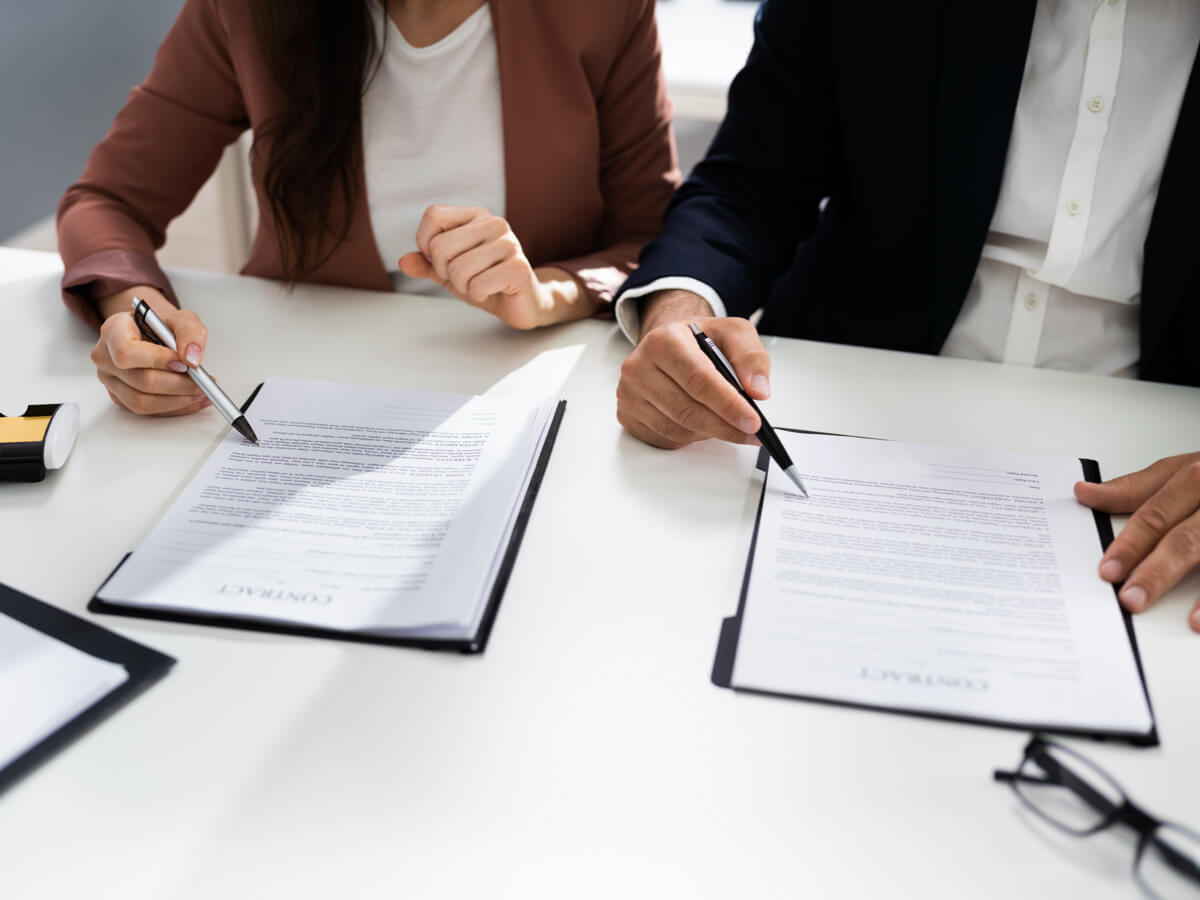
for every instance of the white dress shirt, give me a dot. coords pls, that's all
(1060, 278)
(432, 133)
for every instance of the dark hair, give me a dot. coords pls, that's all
(322, 54)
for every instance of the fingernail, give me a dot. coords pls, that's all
(193, 354)
(761, 385)
(748, 425)
(1111, 570)
(176, 366)
(1195, 617)
(1134, 598)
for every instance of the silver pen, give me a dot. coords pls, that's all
(157, 331)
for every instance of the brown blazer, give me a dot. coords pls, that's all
(589, 157)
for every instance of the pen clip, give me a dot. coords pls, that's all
(139, 316)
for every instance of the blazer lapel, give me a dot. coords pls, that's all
(983, 62)
(1171, 263)
(518, 114)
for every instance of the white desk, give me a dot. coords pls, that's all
(586, 753)
(705, 43)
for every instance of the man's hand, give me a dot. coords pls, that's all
(476, 257)
(142, 376)
(1161, 542)
(670, 394)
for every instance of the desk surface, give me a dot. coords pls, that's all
(586, 753)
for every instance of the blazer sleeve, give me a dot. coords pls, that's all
(639, 169)
(736, 222)
(164, 144)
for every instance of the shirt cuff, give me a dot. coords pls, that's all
(629, 315)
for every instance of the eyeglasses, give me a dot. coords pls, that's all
(1074, 794)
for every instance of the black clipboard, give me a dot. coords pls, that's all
(475, 644)
(145, 666)
(727, 641)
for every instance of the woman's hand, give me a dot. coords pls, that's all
(144, 377)
(475, 256)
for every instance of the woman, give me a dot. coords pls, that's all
(517, 153)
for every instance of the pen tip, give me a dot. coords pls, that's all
(791, 473)
(244, 429)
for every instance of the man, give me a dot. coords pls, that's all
(1013, 183)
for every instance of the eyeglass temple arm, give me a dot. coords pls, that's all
(1182, 863)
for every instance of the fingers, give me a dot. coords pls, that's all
(1161, 542)
(450, 251)
(1127, 493)
(439, 219)
(458, 244)
(142, 376)
(506, 276)
(1153, 519)
(500, 260)
(650, 426)
(670, 394)
(121, 344)
(1174, 556)
(476, 256)
(146, 404)
(740, 343)
(676, 353)
(670, 412)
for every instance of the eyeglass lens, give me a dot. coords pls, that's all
(1067, 789)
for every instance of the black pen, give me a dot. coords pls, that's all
(156, 330)
(766, 434)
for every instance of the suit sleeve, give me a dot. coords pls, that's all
(736, 222)
(638, 164)
(164, 144)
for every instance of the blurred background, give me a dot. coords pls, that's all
(67, 67)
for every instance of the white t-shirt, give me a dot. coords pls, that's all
(432, 133)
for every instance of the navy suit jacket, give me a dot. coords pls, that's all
(900, 114)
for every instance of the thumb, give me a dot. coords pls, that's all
(414, 265)
(744, 349)
(1127, 492)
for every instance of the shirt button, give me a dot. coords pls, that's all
(1073, 207)
(1096, 104)
(1031, 302)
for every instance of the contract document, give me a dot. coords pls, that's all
(939, 581)
(362, 510)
